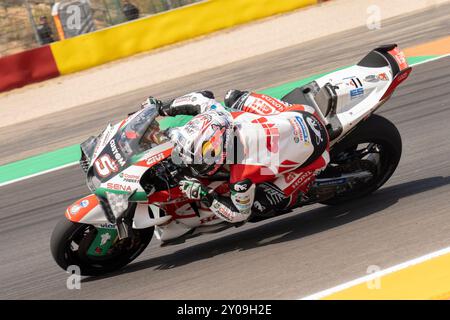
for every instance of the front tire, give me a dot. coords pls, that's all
(378, 131)
(70, 242)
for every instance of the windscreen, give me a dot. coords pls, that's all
(141, 132)
(136, 135)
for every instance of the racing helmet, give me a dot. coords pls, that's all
(202, 143)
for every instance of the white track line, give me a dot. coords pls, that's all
(38, 174)
(430, 60)
(327, 292)
(74, 163)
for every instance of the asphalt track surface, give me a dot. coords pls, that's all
(288, 257)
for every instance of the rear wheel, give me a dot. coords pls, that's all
(71, 244)
(374, 146)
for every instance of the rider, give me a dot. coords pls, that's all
(291, 147)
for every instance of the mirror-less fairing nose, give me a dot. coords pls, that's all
(115, 162)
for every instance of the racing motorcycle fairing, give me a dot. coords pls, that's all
(88, 210)
(126, 154)
(88, 205)
(361, 89)
(116, 160)
(346, 97)
(129, 179)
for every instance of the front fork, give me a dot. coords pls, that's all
(104, 239)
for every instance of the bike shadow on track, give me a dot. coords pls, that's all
(291, 227)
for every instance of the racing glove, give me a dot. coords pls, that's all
(236, 210)
(151, 101)
(190, 104)
(193, 189)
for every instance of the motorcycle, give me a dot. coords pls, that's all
(134, 183)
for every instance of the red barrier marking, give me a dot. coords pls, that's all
(27, 67)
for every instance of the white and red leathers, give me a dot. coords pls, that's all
(277, 153)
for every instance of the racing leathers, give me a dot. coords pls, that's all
(275, 153)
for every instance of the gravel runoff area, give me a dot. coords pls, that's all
(200, 54)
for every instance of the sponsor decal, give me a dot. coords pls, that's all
(303, 128)
(274, 195)
(104, 138)
(198, 124)
(354, 82)
(241, 186)
(156, 158)
(399, 57)
(105, 166)
(263, 104)
(277, 104)
(84, 203)
(182, 100)
(153, 156)
(104, 238)
(297, 131)
(302, 180)
(80, 208)
(314, 125)
(226, 212)
(222, 210)
(116, 153)
(75, 208)
(372, 78)
(186, 99)
(242, 200)
(331, 182)
(402, 77)
(396, 81)
(131, 178)
(118, 186)
(258, 206)
(289, 177)
(108, 226)
(260, 106)
(383, 77)
(356, 93)
(208, 219)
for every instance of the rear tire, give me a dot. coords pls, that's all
(380, 131)
(66, 235)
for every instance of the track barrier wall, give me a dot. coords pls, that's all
(26, 67)
(96, 48)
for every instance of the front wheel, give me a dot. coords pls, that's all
(376, 146)
(82, 244)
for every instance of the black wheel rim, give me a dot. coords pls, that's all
(373, 156)
(79, 241)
